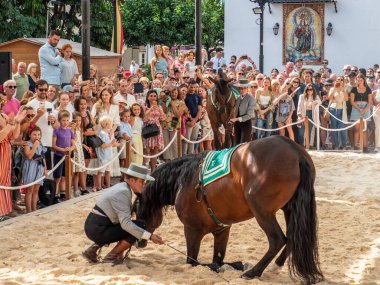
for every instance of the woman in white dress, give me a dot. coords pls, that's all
(106, 106)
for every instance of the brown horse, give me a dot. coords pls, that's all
(266, 175)
(221, 108)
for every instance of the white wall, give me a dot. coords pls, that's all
(355, 39)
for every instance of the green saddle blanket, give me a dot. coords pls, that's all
(217, 164)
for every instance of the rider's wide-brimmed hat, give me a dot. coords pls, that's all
(243, 83)
(138, 170)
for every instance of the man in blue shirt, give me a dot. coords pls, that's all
(194, 103)
(50, 59)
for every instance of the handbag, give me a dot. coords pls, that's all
(93, 141)
(150, 130)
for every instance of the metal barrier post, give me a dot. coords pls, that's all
(318, 129)
(307, 130)
(361, 134)
(179, 142)
(68, 175)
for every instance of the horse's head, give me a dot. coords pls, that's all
(147, 210)
(222, 82)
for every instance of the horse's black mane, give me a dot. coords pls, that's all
(170, 177)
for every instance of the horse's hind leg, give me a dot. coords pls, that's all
(220, 246)
(276, 239)
(280, 261)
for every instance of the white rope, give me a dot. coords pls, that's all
(158, 154)
(194, 142)
(348, 123)
(101, 167)
(274, 130)
(35, 182)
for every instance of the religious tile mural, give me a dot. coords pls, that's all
(303, 33)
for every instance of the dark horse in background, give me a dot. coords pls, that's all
(266, 175)
(221, 108)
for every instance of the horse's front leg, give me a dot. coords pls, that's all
(193, 243)
(220, 246)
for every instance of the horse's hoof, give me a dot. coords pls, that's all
(249, 276)
(214, 267)
(225, 267)
(238, 265)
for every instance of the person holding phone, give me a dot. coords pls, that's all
(125, 88)
(47, 122)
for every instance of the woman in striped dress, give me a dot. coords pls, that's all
(9, 128)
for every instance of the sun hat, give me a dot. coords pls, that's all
(242, 83)
(138, 171)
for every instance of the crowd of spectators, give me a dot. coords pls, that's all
(43, 118)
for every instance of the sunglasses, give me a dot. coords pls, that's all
(241, 73)
(30, 116)
(296, 82)
(309, 89)
(186, 77)
(12, 87)
(43, 89)
(254, 86)
(260, 78)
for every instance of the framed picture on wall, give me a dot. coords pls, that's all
(303, 35)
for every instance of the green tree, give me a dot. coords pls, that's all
(171, 22)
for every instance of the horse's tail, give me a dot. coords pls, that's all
(302, 243)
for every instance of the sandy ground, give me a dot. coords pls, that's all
(45, 248)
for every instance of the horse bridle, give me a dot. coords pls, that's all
(218, 107)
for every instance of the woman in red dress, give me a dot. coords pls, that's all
(9, 128)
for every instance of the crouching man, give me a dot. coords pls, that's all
(110, 220)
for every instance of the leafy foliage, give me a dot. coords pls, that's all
(169, 22)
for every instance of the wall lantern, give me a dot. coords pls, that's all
(276, 27)
(329, 29)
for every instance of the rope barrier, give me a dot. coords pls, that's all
(101, 167)
(35, 182)
(158, 154)
(348, 123)
(194, 142)
(274, 130)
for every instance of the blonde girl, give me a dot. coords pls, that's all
(137, 116)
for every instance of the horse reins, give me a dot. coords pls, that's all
(177, 250)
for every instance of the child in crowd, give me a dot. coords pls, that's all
(104, 152)
(79, 172)
(63, 142)
(34, 168)
(125, 134)
(137, 124)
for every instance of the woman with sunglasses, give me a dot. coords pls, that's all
(361, 101)
(294, 90)
(307, 104)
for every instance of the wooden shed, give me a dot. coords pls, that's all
(26, 50)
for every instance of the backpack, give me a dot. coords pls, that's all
(46, 193)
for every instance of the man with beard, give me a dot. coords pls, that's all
(50, 59)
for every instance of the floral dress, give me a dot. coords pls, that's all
(78, 154)
(205, 122)
(154, 117)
